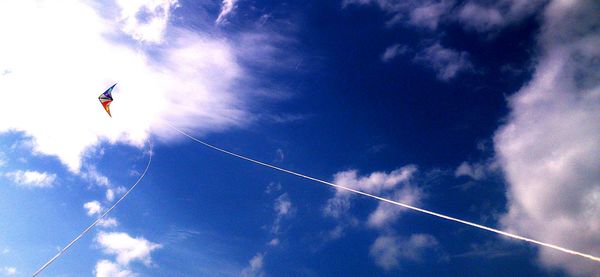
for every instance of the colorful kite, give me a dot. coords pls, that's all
(106, 98)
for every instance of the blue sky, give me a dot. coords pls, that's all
(483, 111)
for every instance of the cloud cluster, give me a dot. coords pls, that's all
(375, 183)
(72, 52)
(31, 179)
(549, 147)
(388, 250)
(283, 209)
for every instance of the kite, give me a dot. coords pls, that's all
(106, 98)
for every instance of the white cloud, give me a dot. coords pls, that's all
(92, 208)
(91, 173)
(274, 242)
(273, 187)
(8, 270)
(108, 222)
(226, 8)
(479, 17)
(387, 213)
(255, 266)
(390, 250)
(74, 53)
(283, 205)
(105, 268)
(112, 192)
(393, 51)
(126, 248)
(430, 14)
(549, 147)
(485, 16)
(31, 179)
(476, 171)
(427, 14)
(445, 61)
(3, 159)
(374, 183)
(146, 20)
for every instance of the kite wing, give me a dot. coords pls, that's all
(106, 98)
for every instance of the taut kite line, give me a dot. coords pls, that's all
(450, 218)
(96, 221)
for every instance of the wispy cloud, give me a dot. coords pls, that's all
(394, 51)
(31, 179)
(255, 267)
(227, 8)
(429, 14)
(146, 21)
(476, 171)
(446, 62)
(283, 208)
(8, 270)
(390, 250)
(485, 16)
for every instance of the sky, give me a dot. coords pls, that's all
(481, 110)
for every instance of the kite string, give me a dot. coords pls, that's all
(450, 218)
(95, 222)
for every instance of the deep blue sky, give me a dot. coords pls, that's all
(320, 100)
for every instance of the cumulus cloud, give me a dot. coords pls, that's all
(127, 248)
(374, 183)
(226, 8)
(92, 208)
(446, 62)
(31, 179)
(395, 185)
(74, 52)
(390, 250)
(549, 147)
(106, 268)
(386, 213)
